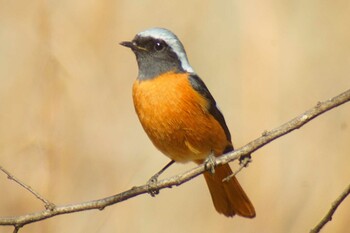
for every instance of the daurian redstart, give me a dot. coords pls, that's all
(181, 117)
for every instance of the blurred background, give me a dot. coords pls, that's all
(68, 127)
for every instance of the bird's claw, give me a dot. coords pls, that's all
(210, 163)
(245, 160)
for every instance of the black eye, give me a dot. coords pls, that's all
(158, 46)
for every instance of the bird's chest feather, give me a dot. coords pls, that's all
(172, 114)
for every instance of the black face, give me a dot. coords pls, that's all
(154, 57)
(150, 44)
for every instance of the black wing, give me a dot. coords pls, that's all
(200, 87)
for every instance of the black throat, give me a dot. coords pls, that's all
(152, 65)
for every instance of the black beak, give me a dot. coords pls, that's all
(133, 46)
(128, 44)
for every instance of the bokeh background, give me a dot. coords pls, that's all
(68, 127)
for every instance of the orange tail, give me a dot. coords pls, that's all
(228, 197)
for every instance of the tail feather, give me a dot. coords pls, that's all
(228, 197)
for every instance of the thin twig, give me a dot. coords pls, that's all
(48, 204)
(331, 211)
(242, 164)
(267, 137)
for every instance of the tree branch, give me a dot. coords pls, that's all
(100, 204)
(48, 204)
(329, 215)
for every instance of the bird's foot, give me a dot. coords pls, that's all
(210, 163)
(152, 185)
(245, 160)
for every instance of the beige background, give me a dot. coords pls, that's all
(68, 127)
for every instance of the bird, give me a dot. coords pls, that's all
(180, 115)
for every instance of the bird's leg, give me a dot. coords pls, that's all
(152, 187)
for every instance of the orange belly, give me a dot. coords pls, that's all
(176, 118)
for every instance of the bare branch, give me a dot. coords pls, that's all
(296, 123)
(267, 137)
(48, 204)
(329, 215)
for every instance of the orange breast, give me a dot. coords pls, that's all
(176, 118)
